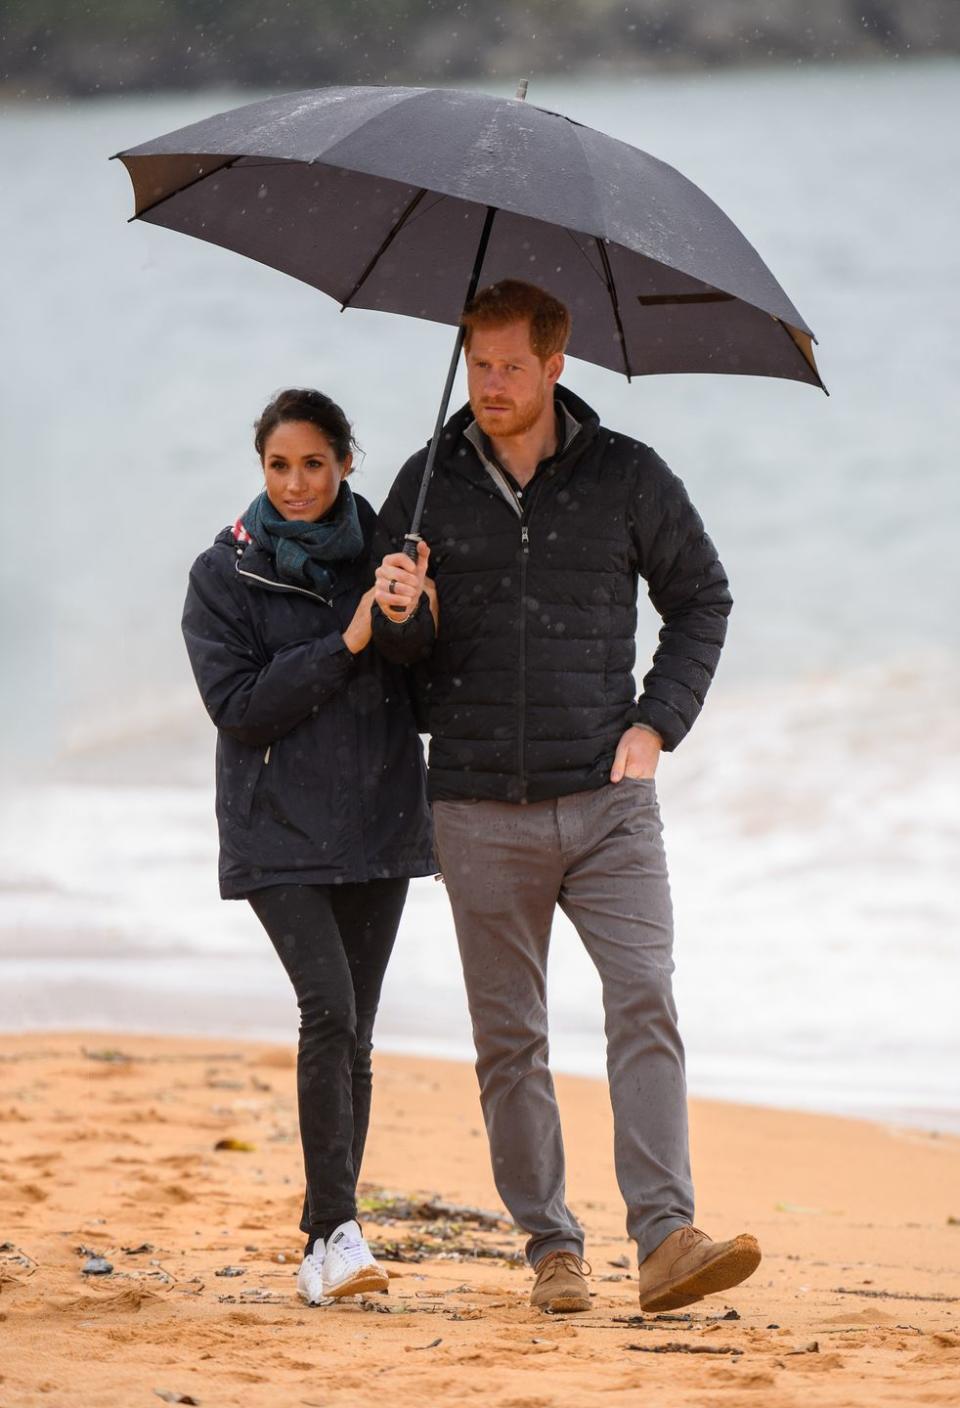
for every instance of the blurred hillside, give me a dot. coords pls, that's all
(61, 47)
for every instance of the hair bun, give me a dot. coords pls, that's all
(306, 404)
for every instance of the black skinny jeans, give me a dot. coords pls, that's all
(335, 942)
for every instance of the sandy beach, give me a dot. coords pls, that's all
(109, 1149)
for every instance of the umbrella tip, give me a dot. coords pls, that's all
(521, 92)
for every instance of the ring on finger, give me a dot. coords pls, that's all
(392, 587)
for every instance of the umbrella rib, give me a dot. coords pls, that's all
(424, 210)
(180, 189)
(807, 356)
(615, 303)
(597, 273)
(385, 245)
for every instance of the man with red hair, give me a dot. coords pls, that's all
(540, 523)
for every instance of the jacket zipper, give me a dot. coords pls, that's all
(522, 735)
(281, 586)
(523, 511)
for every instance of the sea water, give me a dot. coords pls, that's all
(812, 817)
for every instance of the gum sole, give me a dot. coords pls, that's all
(565, 1305)
(371, 1278)
(733, 1266)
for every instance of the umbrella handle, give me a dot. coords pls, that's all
(410, 542)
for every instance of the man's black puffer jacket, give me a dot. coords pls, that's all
(320, 775)
(529, 686)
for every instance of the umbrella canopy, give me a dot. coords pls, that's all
(380, 197)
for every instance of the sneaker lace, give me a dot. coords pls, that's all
(353, 1253)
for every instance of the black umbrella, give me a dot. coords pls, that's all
(398, 198)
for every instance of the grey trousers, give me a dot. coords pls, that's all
(600, 856)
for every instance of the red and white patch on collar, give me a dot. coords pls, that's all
(240, 533)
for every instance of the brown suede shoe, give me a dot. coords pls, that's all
(560, 1288)
(687, 1266)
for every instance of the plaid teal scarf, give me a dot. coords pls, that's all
(302, 551)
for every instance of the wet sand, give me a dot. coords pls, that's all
(108, 1148)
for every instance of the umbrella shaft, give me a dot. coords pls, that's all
(413, 537)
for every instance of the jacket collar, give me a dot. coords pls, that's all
(461, 440)
(568, 428)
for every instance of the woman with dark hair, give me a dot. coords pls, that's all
(321, 799)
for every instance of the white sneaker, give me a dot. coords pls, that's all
(310, 1275)
(349, 1266)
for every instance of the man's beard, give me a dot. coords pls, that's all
(515, 421)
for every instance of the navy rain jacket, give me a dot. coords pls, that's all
(320, 771)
